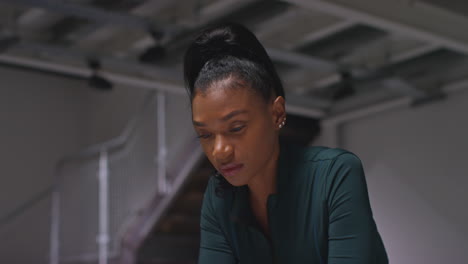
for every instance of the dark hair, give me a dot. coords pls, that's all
(224, 51)
(230, 50)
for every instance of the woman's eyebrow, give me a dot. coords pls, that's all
(199, 124)
(232, 114)
(224, 118)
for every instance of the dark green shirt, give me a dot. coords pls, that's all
(320, 214)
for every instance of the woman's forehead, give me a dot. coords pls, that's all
(215, 103)
(219, 99)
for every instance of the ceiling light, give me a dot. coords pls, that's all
(156, 52)
(95, 80)
(7, 41)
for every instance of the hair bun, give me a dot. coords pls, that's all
(217, 42)
(215, 46)
(220, 41)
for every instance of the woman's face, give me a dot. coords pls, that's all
(238, 130)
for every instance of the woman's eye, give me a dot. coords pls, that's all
(237, 129)
(204, 136)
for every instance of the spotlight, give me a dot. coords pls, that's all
(156, 52)
(99, 83)
(153, 54)
(8, 41)
(96, 81)
(345, 87)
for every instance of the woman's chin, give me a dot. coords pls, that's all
(236, 181)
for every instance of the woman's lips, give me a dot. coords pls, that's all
(231, 169)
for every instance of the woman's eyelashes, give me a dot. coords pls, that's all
(237, 129)
(203, 136)
(234, 130)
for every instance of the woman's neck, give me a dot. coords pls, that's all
(264, 184)
(260, 187)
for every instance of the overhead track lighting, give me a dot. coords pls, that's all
(8, 41)
(156, 52)
(346, 86)
(95, 80)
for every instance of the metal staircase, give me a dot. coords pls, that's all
(107, 197)
(175, 237)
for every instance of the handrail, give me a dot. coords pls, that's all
(177, 175)
(141, 226)
(116, 142)
(19, 210)
(92, 150)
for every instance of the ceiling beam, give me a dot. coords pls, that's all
(298, 106)
(302, 60)
(265, 28)
(413, 53)
(371, 109)
(218, 10)
(31, 17)
(88, 12)
(331, 25)
(307, 106)
(410, 18)
(323, 33)
(391, 83)
(110, 63)
(85, 72)
(403, 87)
(334, 78)
(92, 34)
(206, 15)
(305, 111)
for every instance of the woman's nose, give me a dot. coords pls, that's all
(222, 150)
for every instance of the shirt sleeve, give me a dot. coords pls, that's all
(214, 247)
(352, 232)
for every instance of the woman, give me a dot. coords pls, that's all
(269, 202)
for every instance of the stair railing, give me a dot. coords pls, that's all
(106, 198)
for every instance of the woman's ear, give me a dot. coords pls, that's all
(279, 112)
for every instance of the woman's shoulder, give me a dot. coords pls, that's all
(325, 169)
(322, 153)
(327, 157)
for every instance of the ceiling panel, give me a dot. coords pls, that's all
(359, 49)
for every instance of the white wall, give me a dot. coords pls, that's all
(43, 118)
(178, 124)
(40, 122)
(416, 166)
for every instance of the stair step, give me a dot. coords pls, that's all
(188, 203)
(169, 240)
(180, 224)
(165, 261)
(170, 249)
(199, 181)
(176, 238)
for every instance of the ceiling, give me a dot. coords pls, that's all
(333, 56)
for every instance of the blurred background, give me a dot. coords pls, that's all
(99, 162)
